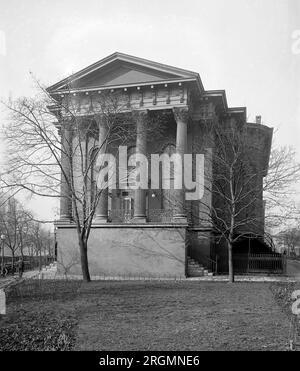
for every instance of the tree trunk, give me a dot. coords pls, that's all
(40, 260)
(13, 262)
(84, 260)
(230, 263)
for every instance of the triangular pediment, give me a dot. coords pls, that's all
(119, 73)
(121, 70)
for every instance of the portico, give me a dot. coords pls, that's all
(169, 96)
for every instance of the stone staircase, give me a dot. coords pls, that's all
(195, 269)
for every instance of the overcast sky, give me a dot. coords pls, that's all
(247, 47)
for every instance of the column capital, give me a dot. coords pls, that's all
(66, 123)
(140, 114)
(100, 119)
(181, 114)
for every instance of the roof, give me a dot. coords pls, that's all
(119, 70)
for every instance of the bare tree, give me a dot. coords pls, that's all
(240, 183)
(61, 163)
(14, 224)
(234, 180)
(290, 239)
(280, 188)
(37, 237)
(9, 226)
(23, 229)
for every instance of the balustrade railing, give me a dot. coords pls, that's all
(120, 215)
(160, 215)
(153, 215)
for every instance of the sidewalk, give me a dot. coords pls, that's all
(44, 273)
(246, 279)
(50, 273)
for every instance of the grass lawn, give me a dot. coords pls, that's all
(58, 315)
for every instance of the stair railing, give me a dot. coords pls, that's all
(211, 264)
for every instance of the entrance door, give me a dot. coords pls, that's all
(127, 208)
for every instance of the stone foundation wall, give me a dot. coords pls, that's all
(125, 250)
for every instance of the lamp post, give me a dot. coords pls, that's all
(2, 237)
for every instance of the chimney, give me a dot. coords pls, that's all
(258, 120)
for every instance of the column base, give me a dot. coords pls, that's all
(100, 220)
(64, 219)
(139, 219)
(181, 219)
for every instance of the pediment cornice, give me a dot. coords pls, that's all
(122, 70)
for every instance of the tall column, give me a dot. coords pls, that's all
(141, 147)
(168, 179)
(102, 206)
(181, 116)
(66, 158)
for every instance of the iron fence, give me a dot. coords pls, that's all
(30, 263)
(259, 263)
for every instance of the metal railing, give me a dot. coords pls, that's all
(259, 263)
(210, 264)
(160, 215)
(120, 215)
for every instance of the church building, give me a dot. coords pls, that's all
(155, 232)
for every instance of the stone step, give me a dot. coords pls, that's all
(200, 274)
(195, 269)
(196, 275)
(195, 265)
(193, 262)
